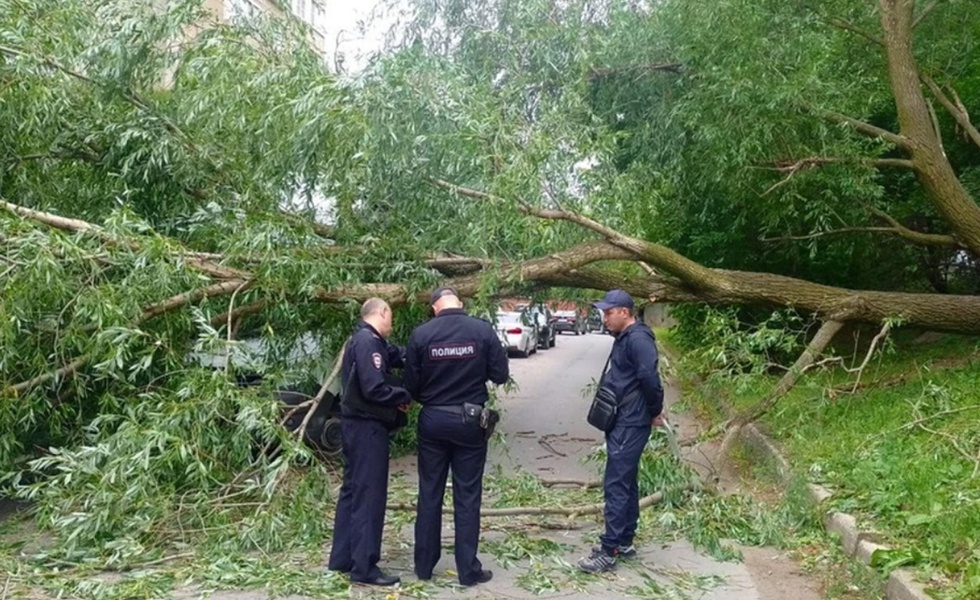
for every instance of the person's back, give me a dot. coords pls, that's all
(447, 364)
(453, 356)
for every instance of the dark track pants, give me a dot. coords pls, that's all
(444, 442)
(620, 485)
(360, 515)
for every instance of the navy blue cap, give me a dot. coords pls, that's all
(613, 299)
(439, 292)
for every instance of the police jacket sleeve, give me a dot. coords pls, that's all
(498, 369)
(644, 355)
(413, 367)
(369, 357)
(396, 356)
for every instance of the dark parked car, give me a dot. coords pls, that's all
(595, 321)
(545, 320)
(323, 429)
(569, 320)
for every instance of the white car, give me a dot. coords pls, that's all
(520, 334)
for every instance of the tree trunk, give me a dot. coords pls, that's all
(957, 314)
(939, 181)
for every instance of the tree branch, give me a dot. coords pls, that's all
(792, 167)
(238, 313)
(571, 511)
(917, 237)
(870, 130)
(77, 225)
(820, 234)
(806, 359)
(129, 96)
(956, 110)
(925, 13)
(910, 235)
(315, 403)
(218, 289)
(668, 260)
(671, 67)
(935, 127)
(848, 26)
(322, 230)
(719, 286)
(149, 312)
(874, 344)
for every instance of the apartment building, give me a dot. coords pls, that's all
(311, 12)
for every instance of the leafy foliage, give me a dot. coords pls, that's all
(225, 168)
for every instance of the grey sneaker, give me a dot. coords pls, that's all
(599, 561)
(626, 551)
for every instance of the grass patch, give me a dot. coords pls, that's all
(901, 450)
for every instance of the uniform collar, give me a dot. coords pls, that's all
(451, 311)
(369, 327)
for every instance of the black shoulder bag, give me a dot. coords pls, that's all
(605, 406)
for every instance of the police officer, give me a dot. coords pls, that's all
(633, 377)
(447, 364)
(369, 407)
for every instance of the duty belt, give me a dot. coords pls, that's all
(450, 408)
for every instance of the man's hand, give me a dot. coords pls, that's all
(404, 407)
(658, 421)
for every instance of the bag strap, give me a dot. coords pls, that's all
(604, 369)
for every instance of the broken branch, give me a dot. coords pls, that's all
(573, 511)
(957, 110)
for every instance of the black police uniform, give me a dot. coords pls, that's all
(634, 378)
(448, 362)
(361, 507)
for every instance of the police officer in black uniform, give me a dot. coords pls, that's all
(369, 405)
(633, 377)
(447, 364)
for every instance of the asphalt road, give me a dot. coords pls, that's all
(544, 424)
(543, 419)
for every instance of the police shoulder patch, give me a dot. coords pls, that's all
(376, 359)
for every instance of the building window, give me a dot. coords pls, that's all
(311, 12)
(301, 8)
(243, 10)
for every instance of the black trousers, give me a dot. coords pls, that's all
(360, 517)
(444, 442)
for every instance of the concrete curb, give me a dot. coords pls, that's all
(856, 543)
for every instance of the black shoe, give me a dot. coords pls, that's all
(482, 577)
(379, 579)
(599, 561)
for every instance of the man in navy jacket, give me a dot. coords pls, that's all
(359, 521)
(633, 377)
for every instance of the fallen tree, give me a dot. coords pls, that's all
(144, 225)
